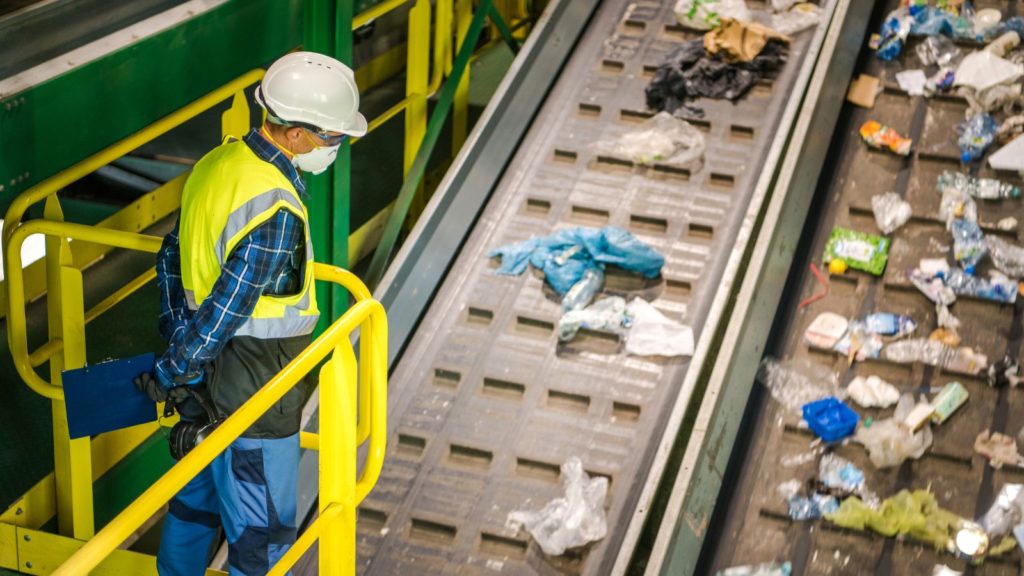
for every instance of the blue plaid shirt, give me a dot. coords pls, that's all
(261, 263)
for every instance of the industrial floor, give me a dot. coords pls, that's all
(752, 524)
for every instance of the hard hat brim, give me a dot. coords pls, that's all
(357, 127)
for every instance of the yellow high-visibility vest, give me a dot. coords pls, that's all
(230, 192)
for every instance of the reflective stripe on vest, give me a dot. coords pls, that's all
(230, 193)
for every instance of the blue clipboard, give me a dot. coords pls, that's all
(102, 397)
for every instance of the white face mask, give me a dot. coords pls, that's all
(316, 160)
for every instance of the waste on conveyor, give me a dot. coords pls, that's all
(974, 54)
(738, 48)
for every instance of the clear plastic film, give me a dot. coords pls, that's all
(891, 211)
(569, 521)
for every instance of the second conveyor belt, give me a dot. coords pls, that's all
(755, 525)
(485, 403)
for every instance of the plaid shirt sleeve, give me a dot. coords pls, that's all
(174, 312)
(261, 262)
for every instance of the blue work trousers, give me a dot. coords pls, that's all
(250, 490)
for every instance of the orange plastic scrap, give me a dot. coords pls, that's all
(740, 41)
(878, 136)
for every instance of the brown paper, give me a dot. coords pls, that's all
(740, 41)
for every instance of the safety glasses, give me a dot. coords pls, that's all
(328, 139)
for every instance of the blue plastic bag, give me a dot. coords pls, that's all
(931, 21)
(565, 256)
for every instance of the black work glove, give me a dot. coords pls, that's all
(150, 386)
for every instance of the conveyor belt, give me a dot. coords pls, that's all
(484, 403)
(755, 526)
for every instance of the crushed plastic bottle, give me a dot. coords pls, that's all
(583, 291)
(894, 32)
(859, 342)
(968, 244)
(976, 135)
(891, 211)
(889, 324)
(939, 51)
(796, 382)
(932, 286)
(985, 188)
(838, 473)
(955, 203)
(1008, 258)
(766, 569)
(813, 507)
(935, 353)
(997, 287)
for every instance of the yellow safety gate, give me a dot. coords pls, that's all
(349, 415)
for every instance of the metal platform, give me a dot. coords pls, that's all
(755, 526)
(485, 403)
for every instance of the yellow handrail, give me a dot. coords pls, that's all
(16, 327)
(52, 185)
(367, 315)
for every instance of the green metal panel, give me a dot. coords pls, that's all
(58, 123)
(328, 30)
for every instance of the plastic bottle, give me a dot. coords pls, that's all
(976, 135)
(584, 290)
(968, 244)
(1009, 259)
(922, 350)
(997, 288)
(889, 324)
(985, 188)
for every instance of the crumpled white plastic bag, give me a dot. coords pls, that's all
(571, 521)
(661, 139)
(888, 443)
(653, 334)
(605, 314)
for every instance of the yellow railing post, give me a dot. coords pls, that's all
(337, 554)
(417, 82)
(72, 459)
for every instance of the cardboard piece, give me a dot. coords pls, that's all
(863, 91)
(102, 397)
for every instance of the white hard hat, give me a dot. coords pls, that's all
(313, 91)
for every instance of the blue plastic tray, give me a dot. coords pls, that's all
(830, 418)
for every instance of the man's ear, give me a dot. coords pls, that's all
(294, 133)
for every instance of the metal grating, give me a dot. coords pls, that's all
(755, 527)
(485, 403)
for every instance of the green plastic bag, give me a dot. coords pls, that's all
(916, 514)
(860, 251)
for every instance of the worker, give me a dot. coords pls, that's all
(237, 305)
